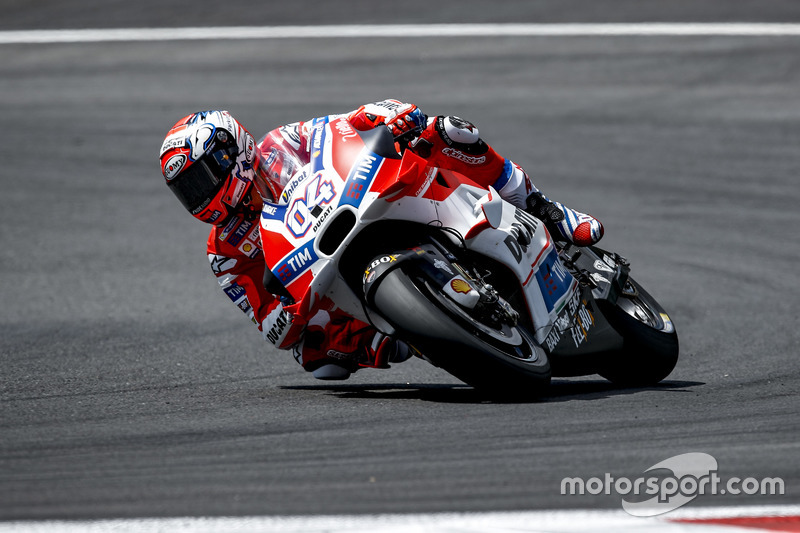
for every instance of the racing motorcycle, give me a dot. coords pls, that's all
(476, 285)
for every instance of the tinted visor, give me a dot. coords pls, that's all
(196, 186)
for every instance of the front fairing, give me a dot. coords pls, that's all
(347, 186)
(337, 179)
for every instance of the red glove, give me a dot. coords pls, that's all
(401, 119)
(407, 119)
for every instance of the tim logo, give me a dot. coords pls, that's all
(553, 279)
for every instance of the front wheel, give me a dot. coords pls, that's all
(500, 358)
(650, 349)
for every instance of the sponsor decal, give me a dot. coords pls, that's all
(318, 133)
(464, 158)
(292, 185)
(174, 165)
(238, 189)
(460, 286)
(442, 265)
(272, 212)
(322, 218)
(442, 129)
(239, 233)
(369, 273)
(301, 214)
(554, 280)
(584, 320)
(521, 234)
(317, 141)
(202, 207)
(252, 243)
(344, 129)
(255, 236)
(214, 216)
(248, 150)
(244, 305)
(426, 182)
(385, 259)
(337, 355)
(220, 263)
(234, 291)
(575, 321)
(360, 178)
(228, 228)
(247, 247)
(600, 265)
(176, 141)
(276, 325)
(296, 263)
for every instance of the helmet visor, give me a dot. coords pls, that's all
(196, 186)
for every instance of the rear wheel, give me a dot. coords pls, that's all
(500, 357)
(650, 349)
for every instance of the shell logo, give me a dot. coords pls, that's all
(460, 286)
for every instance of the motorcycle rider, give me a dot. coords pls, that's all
(221, 176)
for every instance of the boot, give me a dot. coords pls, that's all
(563, 223)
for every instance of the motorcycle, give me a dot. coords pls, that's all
(476, 285)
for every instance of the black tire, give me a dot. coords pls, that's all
(503, 361)
(650, 349)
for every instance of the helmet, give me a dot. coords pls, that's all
(207, 159)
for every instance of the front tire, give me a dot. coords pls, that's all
(504, 359)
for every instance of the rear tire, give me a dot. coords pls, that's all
(503, 360)
(650, 349)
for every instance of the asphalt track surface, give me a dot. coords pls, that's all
(130, 386)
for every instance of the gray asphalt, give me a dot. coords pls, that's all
(130, 386)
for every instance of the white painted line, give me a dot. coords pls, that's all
(519, 522)
(400, 31)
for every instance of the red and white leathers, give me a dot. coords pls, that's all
(333, 344)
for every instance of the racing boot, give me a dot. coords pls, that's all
(384, 350)
(342, 348)
(563, 223)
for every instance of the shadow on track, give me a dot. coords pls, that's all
(560, 391)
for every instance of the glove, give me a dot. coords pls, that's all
(406, 122)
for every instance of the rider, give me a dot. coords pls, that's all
(221, 176)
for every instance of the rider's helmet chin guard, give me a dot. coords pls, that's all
(208, 160)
